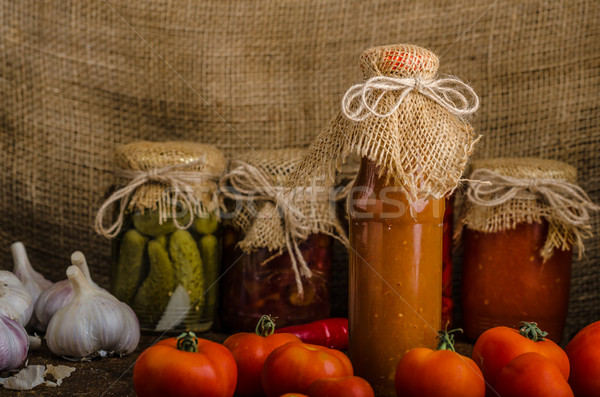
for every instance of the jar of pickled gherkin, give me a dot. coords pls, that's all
(166, 233)
(277, 253)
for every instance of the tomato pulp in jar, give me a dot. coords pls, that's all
(395, 276)
(505, 281)
(256, 283)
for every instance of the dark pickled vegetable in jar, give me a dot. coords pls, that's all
(257, 283)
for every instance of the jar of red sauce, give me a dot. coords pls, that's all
(517, 251)
(395, 287)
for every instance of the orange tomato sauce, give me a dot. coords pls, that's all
(395, 286)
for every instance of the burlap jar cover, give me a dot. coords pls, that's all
(172, 178)
(404, 118)
(270, 219)
(504, 192)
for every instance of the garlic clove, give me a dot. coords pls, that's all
(59, 294)
(94, 320)
(14, 343)
(15, 301)
(33, 281)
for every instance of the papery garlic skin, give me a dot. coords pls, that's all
(94, 320)
(59, 294)
(33, 281)
(15, 301)
(14, 343)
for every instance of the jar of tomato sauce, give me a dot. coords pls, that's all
(267, 271)
(395, 288)
(517, 243)
(414, 144)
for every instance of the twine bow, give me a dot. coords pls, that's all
(179, 182)
(569, 203)
(248, 183)
(361, 100)
(564, 205)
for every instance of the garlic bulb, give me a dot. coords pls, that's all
(94, 320)
(15, 301)
(14, 343)
(33, 281)
(59, 294)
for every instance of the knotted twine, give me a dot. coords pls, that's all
(187, 186)
(410, 123)
(275, 217)
(496, 201)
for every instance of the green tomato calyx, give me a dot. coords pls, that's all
(187, 342)
(531, 331)
(447, 339)
(265, 326)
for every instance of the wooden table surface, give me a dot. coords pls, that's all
(110, 376)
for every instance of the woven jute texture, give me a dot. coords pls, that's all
(414, 136)
(504, 192)
(256, 182)
(79, 78)
(174, 178)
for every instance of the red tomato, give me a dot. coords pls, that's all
(348, 386)
(497, 346)
(584, 354)
(250, 351)
(532, 375)
(294, 366)
(185, 367)
(423, 372)
(293, 395)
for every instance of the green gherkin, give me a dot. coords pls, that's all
(154, 294)
(209, 249)
(130, 266)
(147, 223)
(206, 225)
(188, 266)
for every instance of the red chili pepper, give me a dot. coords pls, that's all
(330, 332)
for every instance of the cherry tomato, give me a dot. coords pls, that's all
(424, 372)
(250, 351)
(497, 346)
(348, 386)
(185, 367)
(584, 355)
(294, 366)
(532, 375)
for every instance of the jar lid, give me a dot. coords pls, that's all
(401, 60)
(528, 168)
(146, 155)
(277, 164)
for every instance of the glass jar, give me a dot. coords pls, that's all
(166, 274)
(257, 283)
(447, 300)
(395, 287)
(518, 243)
(166, 233)
(505, 281)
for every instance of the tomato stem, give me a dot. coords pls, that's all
(187, 342)
(447, 339)
(265, 326)
(531, 331)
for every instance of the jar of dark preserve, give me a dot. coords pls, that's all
(260, 276)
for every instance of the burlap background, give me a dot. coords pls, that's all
(79, 77)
